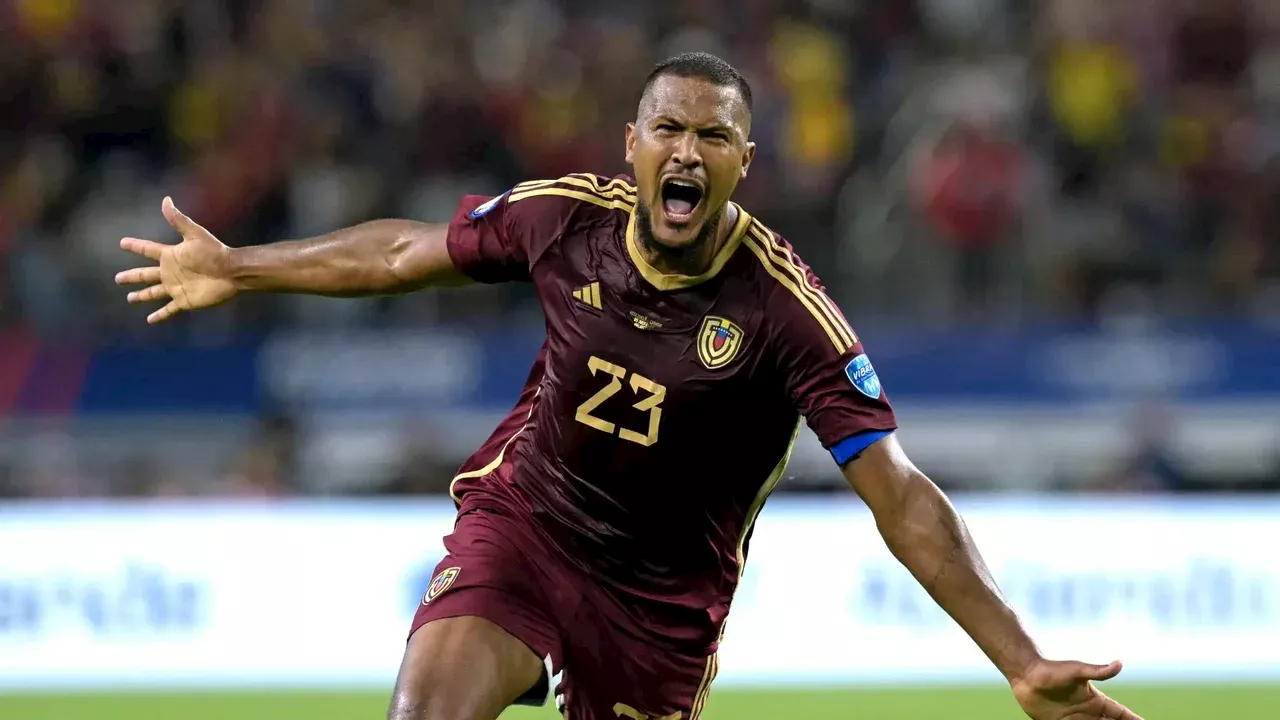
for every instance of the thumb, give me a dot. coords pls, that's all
(180, 222)
(1089, 671)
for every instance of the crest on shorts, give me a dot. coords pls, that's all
(440, 583)
(718, 342)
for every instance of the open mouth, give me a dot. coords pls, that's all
(680, 199)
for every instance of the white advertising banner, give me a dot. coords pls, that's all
(1175, 589)
(321, 593)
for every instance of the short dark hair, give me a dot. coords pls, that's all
(701, 65)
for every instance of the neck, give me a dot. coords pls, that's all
(695, 259)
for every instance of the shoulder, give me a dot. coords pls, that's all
(795, 298)
(576, 192)
(547, 215)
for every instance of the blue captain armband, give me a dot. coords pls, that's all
(852, 446)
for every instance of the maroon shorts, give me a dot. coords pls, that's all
(605, 666)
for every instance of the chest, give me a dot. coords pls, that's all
(617, 343)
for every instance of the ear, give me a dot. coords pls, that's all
(747, 156)
(631, 143)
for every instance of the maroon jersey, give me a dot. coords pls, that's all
(662, 409)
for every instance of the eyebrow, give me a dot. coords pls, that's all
(717, 127)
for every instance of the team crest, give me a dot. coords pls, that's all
(718, 342)
(440, 583)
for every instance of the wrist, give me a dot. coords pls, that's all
(1022, 668)
(236, 268)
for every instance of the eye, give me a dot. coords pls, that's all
(667, 127)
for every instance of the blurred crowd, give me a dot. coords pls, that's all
(1100, 158)
(937, 161)
(1058, 158)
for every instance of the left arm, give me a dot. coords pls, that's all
(923, 530)
(833, 384)
(926, 534)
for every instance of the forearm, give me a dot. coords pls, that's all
(928, 536)
(374, 258)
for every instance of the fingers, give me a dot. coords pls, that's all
(152, 250)
(151, 294)
(139, 276)
(180, 222)
(164, 313)
(1115, 711)
(148, 249)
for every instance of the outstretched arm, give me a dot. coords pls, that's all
(373, 258)
(836, 388)
(926, 534)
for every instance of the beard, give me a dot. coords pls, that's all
(687, 256)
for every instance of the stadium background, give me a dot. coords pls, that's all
(1056, 226)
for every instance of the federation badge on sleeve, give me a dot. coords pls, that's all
(863, 376)
(440, 583)
(718, 342)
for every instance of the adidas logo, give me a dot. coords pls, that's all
(589, 295)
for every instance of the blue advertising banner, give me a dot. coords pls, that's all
(1065, 365)
(173, 379)
(483, 369)
(450, 369)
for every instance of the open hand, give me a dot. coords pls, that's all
(1053, 690)
(191, 275)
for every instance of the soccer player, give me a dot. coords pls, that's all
(603, 527)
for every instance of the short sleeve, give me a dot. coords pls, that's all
(481, 243)
(498, 239)
(827, 372)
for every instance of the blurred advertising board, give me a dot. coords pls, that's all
(484, 368)
(320, 594)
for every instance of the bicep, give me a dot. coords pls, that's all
(421, 258)
(882, 475)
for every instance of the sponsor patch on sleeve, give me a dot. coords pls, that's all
(863, 376)
(486, 207)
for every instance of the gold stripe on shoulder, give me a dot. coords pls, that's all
(605, 191)
(531, 184)
(837, 317)
(619, 202)
(771, 266)
(787, 260)
(585, 181)
(594, 181)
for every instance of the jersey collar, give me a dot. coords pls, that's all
(676, 281)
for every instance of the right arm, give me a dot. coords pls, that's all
(379, 257)
(374, 258)
(488, 240)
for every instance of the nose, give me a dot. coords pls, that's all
(686, 152)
